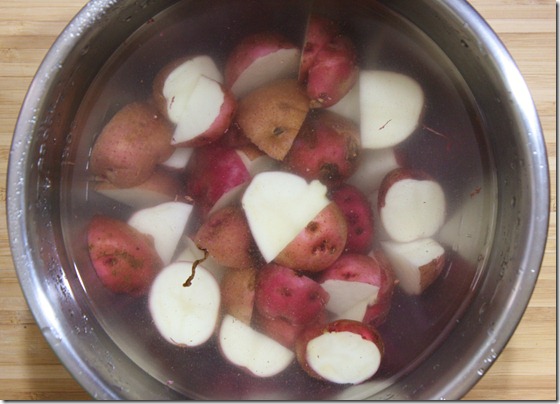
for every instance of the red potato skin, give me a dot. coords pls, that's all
(124, 259)
(320, 31)
(431, 271)
(131, 144)
(359, 217)
(250, 49)
(374, 270)
(320, 244)
(364, 330)
(377, 314)
(333, 73)
(238, 293)
(286, 294)
(212, 171)
(225, 234)
(220, 124)
(327, 148)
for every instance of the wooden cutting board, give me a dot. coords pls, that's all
(525, 370)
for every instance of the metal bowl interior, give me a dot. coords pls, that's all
(516, 204)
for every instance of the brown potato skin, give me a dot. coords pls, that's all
(238, 293)
(272, 115)
(161, 181)
(227, 238)
(131, 144)
(124, 259)
(320, 244)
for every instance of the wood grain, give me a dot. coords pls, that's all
(526, 369)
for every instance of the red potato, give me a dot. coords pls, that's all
(211, 172)
(185, 315)
(160, 187)
(130, 145)
(189, 91)
(284, 293)
(225, 234)
(319, 244)
(328, 67)
(333, 72)
(251, 350)
(320, 31)
(417, 264)
(342, 352)
(271, 116)
(279, 206)
(124, 259)
(359, 286)
(207, 114)
(174, 83)
(391, 106)
(377, 313)
(259, 59)
(359, 217)
(327, 148)
(411, 205)
(238, 293)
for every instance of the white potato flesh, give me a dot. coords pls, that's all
(278, 206)
(179, 84)
(247, 348)
(413, 209)
(348, 299)
(408, 261)
(280, 64)
(200, 111)
(165, 223)
(390, 107)
(185, 316)
(343, 357)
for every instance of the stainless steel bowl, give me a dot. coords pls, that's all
(517, 174)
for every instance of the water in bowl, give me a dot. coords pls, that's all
(449, 144)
